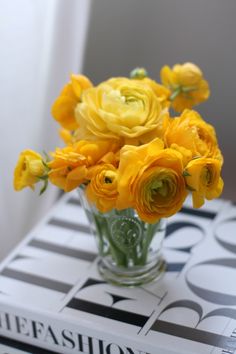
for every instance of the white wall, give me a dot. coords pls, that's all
(42, 42)
(129, 33)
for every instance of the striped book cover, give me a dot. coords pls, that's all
(52, 299)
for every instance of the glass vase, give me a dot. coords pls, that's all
(129, 249)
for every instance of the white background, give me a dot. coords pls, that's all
(42, 42)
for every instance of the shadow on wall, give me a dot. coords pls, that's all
(128, 33)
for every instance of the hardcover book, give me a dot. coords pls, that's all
(52, 297)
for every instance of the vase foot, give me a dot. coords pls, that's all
(131, 278)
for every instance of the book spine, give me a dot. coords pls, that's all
(59, 336)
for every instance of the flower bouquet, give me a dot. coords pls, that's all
(133, 160)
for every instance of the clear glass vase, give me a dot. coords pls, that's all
(129, 249)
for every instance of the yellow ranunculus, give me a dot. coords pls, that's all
(203, 179)
(69, 167)
(186, 154)
(121, 109)
(102, 188)
(193, 133)
(96, 151)
(66, 136)
(150, 179)
(63, 109)
(162, 92)
(28, 170)
(187, 85)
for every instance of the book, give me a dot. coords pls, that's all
(52, 296)
(9, 346)
(5, 349)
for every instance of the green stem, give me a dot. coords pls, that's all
(180, 89)
(188, 89)
(148, 237)
(103, 231)
(99, 234)
(175, 93)
(120, 242)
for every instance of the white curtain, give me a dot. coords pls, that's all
(42, 42)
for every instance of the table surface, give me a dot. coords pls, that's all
(63, 217)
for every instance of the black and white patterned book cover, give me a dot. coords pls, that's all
(52, 297)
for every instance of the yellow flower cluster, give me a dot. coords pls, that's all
(187, 85)
(126, 150)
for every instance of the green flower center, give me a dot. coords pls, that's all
(160, 187)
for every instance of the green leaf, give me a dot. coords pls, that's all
(45, 165)
(186, 173)
(47, 157)
(44, 187)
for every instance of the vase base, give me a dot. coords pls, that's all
(117, 276)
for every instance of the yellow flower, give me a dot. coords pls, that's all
(203, 178)
(193, 133)
(121, 109)
(102, 189)
(96, 151)
(69, 167)
(150, 179)
(186, 154)
(63, 109)
(161, 92)
(66, 136)
(28, 170)
(187, 85)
